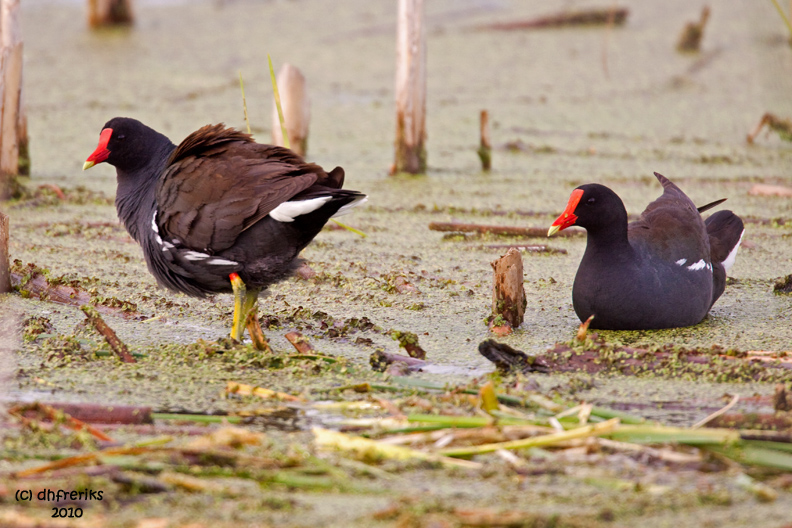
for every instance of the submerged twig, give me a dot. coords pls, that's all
(110, 336)
(583, 17)
(459, 227)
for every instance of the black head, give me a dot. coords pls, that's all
(127, 144)
(593, 207)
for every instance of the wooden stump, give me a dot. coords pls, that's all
(296, 109)
(5, 273)
(508, 293)
(12, 122)
(410, 89)
(109, 13)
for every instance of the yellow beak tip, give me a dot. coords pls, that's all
(88, 164)
(552, 231)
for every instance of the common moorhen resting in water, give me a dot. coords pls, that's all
(664, 270)
(220, 213)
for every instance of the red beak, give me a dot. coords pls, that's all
(568, 217)
(101, 153)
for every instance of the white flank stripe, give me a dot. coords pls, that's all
(288, 211)
(351, 205)
(222, 262)
(681, 262)
(154, 222)
(729, 262)
(195, 255)
(697, 265)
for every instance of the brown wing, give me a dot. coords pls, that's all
(671, 227)
(219, 182)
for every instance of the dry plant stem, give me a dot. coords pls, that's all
(110, 336)
(508, 293)
(5, 272)
(485, 146)
(782, 126)
(82, 459)
(299, 342)
(331, 439)
(536, 441)
(717, 413)
(261, 392)
(410, 88)
(459, 227)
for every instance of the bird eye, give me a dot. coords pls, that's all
(120, 137)
(591, 201)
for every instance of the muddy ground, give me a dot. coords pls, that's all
(568, 106)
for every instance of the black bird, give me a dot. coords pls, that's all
(664, 270)
(219, 213)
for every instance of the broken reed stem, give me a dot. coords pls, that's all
(485, 147)
(5, 271)
(410, 155)
(244, 102)
(295, 108)
(110, 336)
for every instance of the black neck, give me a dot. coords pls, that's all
(135, 196)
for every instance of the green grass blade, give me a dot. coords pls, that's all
(783, 16)
(278, 103)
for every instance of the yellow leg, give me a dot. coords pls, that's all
(245, 314)
(240, 315)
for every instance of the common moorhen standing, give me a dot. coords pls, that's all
(664, 270)
(220, 213)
